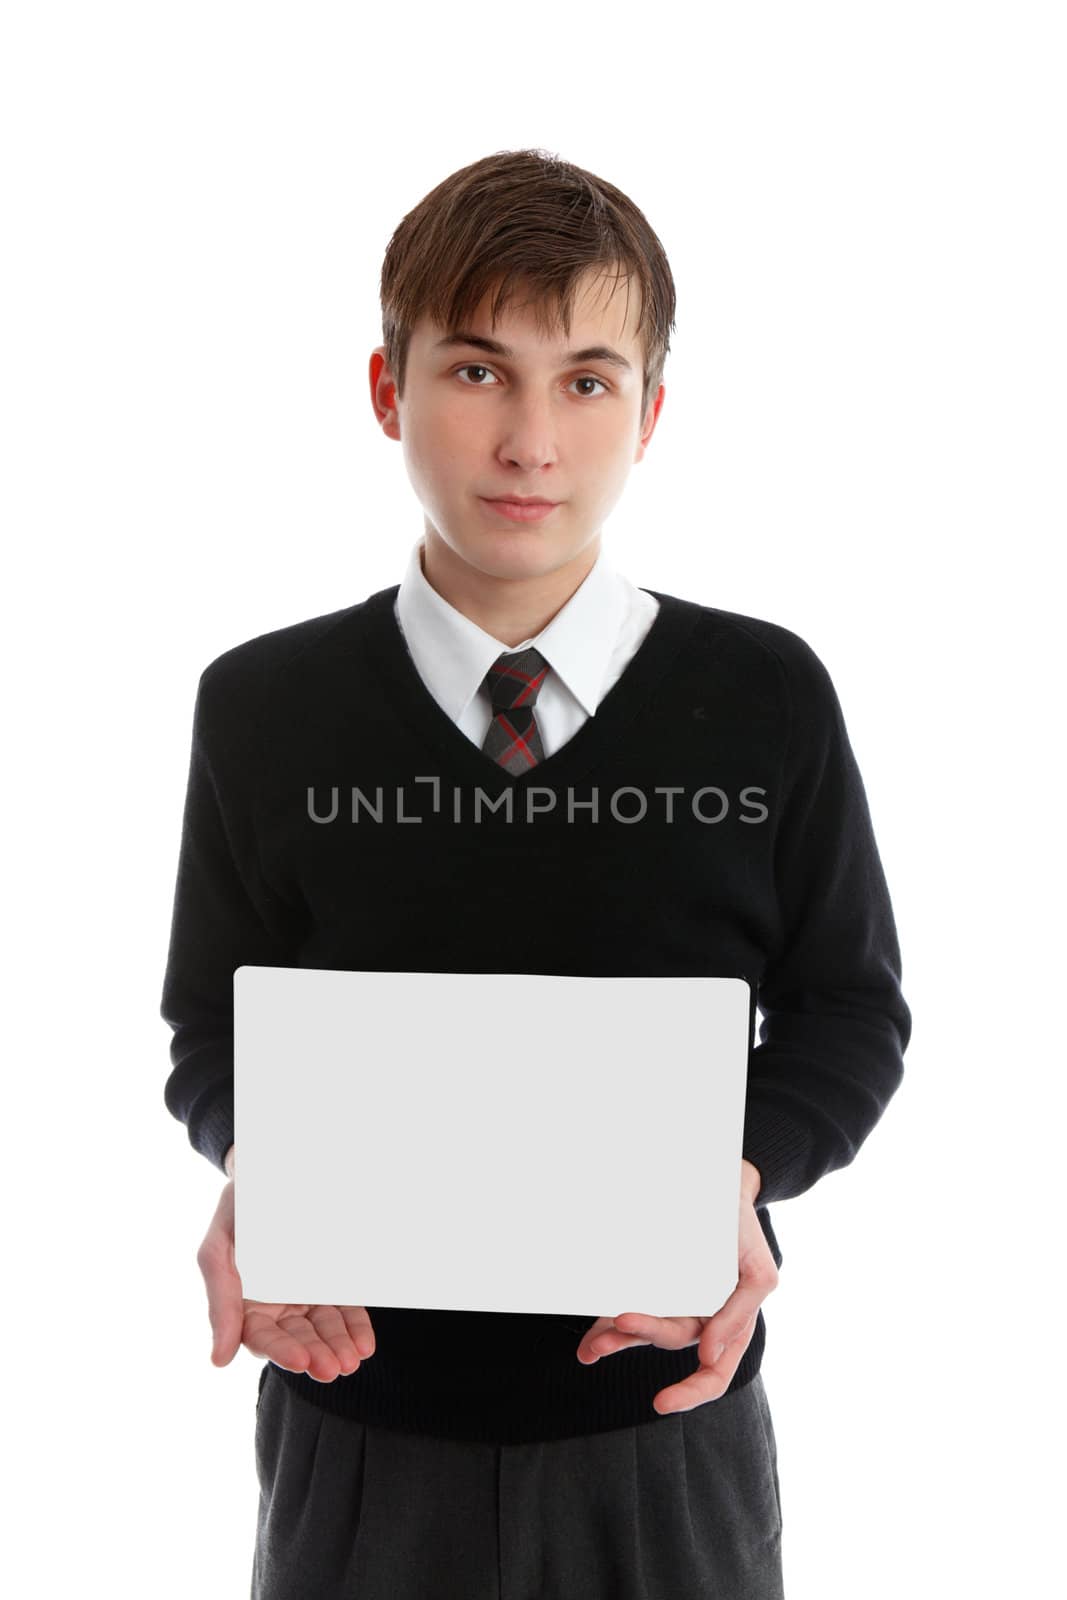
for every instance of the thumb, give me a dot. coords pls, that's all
(225, 1295)
(225, 1309)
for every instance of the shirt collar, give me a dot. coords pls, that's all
(453, 654)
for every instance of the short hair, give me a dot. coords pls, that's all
(522, 219)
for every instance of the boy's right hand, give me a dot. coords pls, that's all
(323, 1341)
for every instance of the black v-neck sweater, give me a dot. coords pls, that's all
(710, 819)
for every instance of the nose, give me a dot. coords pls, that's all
(529, 448)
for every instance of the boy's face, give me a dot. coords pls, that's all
(476, 425)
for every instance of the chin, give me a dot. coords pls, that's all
(518, 555)
(517, 545)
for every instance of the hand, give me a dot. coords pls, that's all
(323, 1341)
(722, 1339)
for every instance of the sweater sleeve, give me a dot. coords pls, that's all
(224, 916)
(835, 1024)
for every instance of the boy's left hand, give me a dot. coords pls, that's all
(722, 1338)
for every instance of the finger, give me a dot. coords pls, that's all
(225, 1313)
(288, 1337)
(613, 1333)
(584, 1350)
(332, 1337)
(634, 1328)
(225, 1303)
(709, 1382)
(265, 1336)
(610, 1334)
(360, 1329)
(731, 1348)
(603, 1339)
(324, 1365)
(333, 1331)
(670, 1333)
(739, 1311)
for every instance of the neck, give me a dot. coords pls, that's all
(510, 609)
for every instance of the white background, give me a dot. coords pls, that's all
(862, 440)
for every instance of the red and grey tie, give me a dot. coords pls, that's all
(514, 681)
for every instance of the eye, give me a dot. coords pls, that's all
(587, 377)
(472, 367)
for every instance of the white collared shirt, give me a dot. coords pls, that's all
(587, 644)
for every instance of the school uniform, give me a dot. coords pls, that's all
(648, 787)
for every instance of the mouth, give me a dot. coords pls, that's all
(521, 510)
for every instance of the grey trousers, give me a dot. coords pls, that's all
(680, 1508)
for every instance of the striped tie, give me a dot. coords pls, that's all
(513, 681)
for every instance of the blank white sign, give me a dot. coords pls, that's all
(489, 1142)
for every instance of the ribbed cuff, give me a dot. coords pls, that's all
(779, 1148)
(213, 1132)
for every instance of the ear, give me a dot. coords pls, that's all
(648, 426)
(383, 393)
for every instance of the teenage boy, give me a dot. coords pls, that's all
(608, 781)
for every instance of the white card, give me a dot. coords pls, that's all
(489, 1142)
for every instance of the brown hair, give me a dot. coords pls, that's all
(521, 217)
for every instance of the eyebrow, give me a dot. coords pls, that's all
(593, 352)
